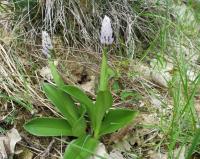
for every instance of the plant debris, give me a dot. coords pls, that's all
(8, 143)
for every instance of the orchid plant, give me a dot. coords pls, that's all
(87, 121)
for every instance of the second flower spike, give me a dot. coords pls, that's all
(47, 46)
(106, 36)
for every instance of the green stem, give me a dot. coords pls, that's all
(103, 81)
(96, 135)
(103, 76)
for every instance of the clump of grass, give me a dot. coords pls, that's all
(176, 43)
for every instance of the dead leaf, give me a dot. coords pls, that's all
(14, 137)
(45, 72)
(3, 153)
(8, 142)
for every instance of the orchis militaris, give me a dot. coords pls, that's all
(74, 105)
(106, 38)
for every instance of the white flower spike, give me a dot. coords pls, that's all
(106, 31)
(46, 44)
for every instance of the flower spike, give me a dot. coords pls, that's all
(47, 46)
(106, 36)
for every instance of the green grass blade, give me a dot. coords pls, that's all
(195, 142)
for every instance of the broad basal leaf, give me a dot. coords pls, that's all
(81, 148)
(63, 102)
(103, 103)
(79, 127)
(49, 127)
(79, 95)
(116, 119)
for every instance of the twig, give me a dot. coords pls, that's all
(47, 150)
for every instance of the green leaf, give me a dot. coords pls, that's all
(23, 103)
(79, 128)
(130, 95)
(116, 119)
(57, 78)
(63, 102)
(103, 103)
(81, 148)
(79, 95)
(81, 109)
(48, 127)
(110, 73)
(116, 87)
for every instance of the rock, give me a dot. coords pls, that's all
(101, 151)
(157, 155)
(155, 102)
(161, 78)
(116, 154)
(123, 146)
(159, 75)
(191, 75)
(89, 86)
(179, 153)
(45, 72)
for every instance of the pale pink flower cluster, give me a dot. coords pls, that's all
(46, 44)
(106, 36)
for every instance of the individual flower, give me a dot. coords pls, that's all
(106, 36)
(47, 46)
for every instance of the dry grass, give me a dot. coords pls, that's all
(79, 28)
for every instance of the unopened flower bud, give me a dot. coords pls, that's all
(47, 46)
(106, 36)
